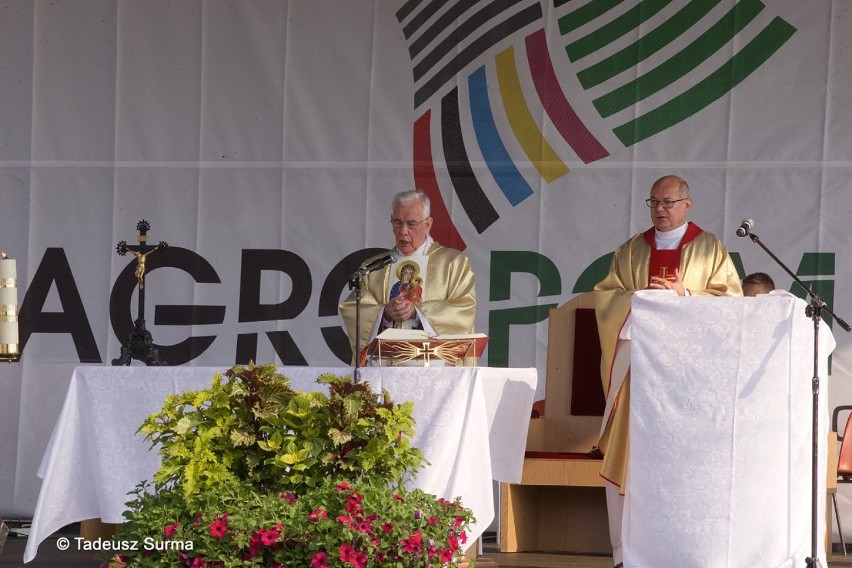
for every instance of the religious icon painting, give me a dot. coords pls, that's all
(411, 279)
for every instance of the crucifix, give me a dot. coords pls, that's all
(140, 344)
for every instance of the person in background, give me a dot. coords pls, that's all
(447, 300)
(757, 283)
(672, 255)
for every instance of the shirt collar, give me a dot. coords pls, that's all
(668, 240)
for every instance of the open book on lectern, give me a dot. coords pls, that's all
(395, 347)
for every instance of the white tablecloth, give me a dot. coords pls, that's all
(720, 433)
(471, 424)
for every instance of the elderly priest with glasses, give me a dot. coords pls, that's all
(672, 255)
(428, 286)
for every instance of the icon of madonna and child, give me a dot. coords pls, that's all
(409, 284)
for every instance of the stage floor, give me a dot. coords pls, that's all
(50, 557)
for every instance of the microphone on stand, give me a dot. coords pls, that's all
(745, 227)
(377, 262)
(355, 282)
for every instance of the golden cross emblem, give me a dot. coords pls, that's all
(664, 273)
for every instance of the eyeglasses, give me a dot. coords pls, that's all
(666, 203)
(397, 224)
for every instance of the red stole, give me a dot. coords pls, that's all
(664, 262)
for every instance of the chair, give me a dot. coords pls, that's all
(560, 504)
(844, 467)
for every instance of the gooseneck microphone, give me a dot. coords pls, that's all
(377, 262)
(745, 227)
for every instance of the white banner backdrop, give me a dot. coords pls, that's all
(263, 141)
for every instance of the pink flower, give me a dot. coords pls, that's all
(219, 527)
(387, 528)
(342, 486)
(353, 504)
(198, 518)
(446, 555)
(433, 520)
(269, 536)
(289, 497)
(169, 531)
(458, 521)
(454, 542)
(255, 545)
(354, 557)
(347, 552)
(414, 543)
(317, 514)
(320, 560)
(198, 562)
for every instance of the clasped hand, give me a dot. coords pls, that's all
(658, 283)
(399, 309)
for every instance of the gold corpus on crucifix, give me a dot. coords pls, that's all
(140, 344)
(140, 265)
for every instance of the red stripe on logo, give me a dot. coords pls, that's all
(443, 229)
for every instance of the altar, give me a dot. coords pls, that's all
(470, 422)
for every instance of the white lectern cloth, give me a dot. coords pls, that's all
(720, 433)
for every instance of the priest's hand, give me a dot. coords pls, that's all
(399, 309)
(658, 283)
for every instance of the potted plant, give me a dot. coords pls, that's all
(254, 473)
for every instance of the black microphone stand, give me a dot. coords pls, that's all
(355, 282)
(814, 311)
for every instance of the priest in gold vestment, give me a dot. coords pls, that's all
(672, 255)
(447, 304)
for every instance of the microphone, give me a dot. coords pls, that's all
(377, 262)
(745, 227)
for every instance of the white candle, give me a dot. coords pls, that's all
(8, 306)
(8, 268)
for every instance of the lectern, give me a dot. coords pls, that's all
(720, 431)
(413, 347)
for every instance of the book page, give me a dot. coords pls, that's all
(421, 335)
(395, 334)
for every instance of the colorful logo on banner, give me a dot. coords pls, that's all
(608, 44)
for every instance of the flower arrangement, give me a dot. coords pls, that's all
(254, 473)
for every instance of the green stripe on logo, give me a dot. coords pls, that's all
(613, 30)
(647, 45)
(694, 99)
(682, 62)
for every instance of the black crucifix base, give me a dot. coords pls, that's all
(140, 346)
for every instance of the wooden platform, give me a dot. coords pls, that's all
(50, 557)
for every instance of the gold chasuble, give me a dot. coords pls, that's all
(448, 301)
(705, 269)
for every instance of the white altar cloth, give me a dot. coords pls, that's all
(720, 432)
(471, 424)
